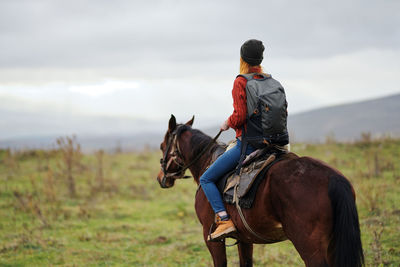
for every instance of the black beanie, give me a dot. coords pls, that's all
(252, 52)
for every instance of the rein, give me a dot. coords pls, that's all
(176, 156)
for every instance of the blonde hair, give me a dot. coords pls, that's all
(245, 67)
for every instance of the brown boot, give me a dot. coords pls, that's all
(224, 229)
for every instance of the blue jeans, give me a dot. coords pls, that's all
(226, 162)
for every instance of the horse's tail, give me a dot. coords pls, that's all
(345, 246)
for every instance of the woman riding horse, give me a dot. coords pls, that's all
(251, 56)
(300, 198)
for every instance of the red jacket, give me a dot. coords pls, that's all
(238, 118)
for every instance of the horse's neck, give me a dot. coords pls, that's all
(198, 168)
(200, 165)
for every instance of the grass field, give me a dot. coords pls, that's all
(62, 207)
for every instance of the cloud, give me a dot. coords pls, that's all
(342, 78)
(309, 83)
(133, 34)
(103, 88)
(153, 58)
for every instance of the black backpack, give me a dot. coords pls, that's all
(266, 121)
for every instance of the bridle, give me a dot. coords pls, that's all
(177, 157)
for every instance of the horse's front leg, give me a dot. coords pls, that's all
(217, 249)
(245, 254)
(206, 217)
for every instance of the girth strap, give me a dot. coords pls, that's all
(246, 225)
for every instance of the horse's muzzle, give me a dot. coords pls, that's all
(163, 181)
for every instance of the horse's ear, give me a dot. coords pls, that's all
(191, 121)
(171, 123)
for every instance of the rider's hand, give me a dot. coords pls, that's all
(224, 126)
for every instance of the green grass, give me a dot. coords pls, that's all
(131, 221)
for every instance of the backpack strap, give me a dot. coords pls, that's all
(250, 76)
(243, 149)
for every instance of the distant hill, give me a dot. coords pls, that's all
(346, 122)
(30, 129)
(342, 122)
(26, 129)
(89, 143)
(15, 124)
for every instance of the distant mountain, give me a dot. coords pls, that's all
(23, 123)
(27, 129)
(89, 143)
(24, 128)
(346, 122)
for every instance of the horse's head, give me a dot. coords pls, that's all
(172, 164)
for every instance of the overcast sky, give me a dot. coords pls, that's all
(148, 59)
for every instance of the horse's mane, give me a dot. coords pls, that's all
(198, 141)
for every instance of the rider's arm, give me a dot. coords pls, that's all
(238, 117)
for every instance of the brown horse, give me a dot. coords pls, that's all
(313, 203)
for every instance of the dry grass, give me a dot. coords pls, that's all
(61, 207)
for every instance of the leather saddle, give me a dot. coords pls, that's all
(253, 170)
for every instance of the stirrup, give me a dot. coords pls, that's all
(222, 237)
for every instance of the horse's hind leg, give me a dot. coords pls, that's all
(217, 250)
(245, 254)
(311, 245)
